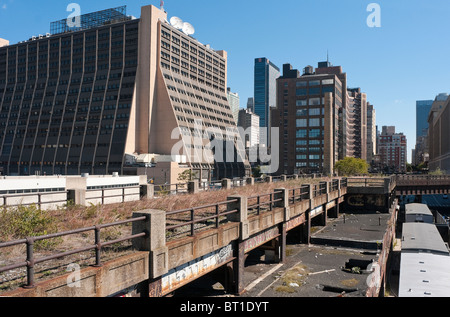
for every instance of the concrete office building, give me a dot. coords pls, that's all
(438, 134)
(392, 150)
(79, 100)
(307, 115)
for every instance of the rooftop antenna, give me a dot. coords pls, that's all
(188, 29)
(328, 58)
(162, 5)
(176, 22)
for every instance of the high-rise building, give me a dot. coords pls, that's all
(234, 101)
(423, 108)
(357, 122)
(438, 134)
(265, 98)
(80, 100)
(344, 126)
(250, 130)
(307, 115)
(392, 150)
(251, 104)
(371, 133)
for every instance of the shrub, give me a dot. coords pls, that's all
(27, 221)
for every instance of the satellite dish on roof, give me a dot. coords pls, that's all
(176, 22)
(188, 29)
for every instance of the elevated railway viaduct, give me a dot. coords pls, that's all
(178, 247)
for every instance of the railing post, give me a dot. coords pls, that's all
(240, 204)
(193, 187)
(30, 264)
(226, 183)
(282, 193)
(154, 242)
(98, 247)
(250, 181)
(147, 191)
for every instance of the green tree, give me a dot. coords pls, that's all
(186, 176)
(351, 166)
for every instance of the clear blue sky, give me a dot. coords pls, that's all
(405, 60)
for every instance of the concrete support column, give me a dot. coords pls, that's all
(283, 178)
(250, 181)
(78, 196)
(268, 179)
(147, 191)
(283, 194)
(226, 183)
(193, 187)
(154, 242)
(239, 203)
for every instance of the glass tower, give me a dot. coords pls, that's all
(423, 108)
(266, 74)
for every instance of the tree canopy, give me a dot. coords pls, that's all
(351, 166)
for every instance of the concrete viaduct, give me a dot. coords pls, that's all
(175, 248)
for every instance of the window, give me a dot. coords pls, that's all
(314, 83)
(302, 112)
(328, 82)
(301, 103)
(301, 84)
(301, 157)
(301, 92)
(315, 133)
(314, 157)
(314, 122)
(302, 133)
(301, 123)
(314, 112)
(328, 89)
(314, 101)
(314, 91)
(301, 142)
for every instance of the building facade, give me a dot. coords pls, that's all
(307, 116)
(357, 124)
(371, 133)
(80, 100)
(234, 102)
(392, 150)
(438, 135)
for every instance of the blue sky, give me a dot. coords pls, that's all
(404, 60)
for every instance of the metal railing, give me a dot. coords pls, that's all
(298, 194)
(192, 220)
(263, 202)
(181, 188)
(31, 259)
(4, 199)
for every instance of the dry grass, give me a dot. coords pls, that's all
(295, 276)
